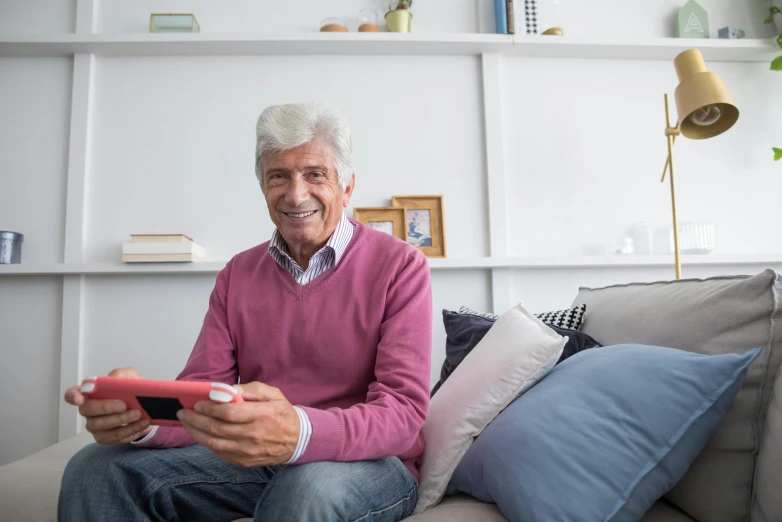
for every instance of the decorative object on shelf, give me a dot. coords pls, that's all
(776, 65)
(643, 238)
(531, 16)
(390, 220)
(424, 222)
(549, 15)
(510, 15)
(705, 108)
(622, 246)
(173, 23)
(333, 25)
(368, 20)
(501, 23)
(399, 16)
(695, 238)
(731, 33)
(10, 247)
(158, 248)
(692, 21)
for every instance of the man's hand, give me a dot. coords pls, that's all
(107, 419)
(261, 432)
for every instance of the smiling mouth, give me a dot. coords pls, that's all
(299, 215)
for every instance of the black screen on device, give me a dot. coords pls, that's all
(160, 408)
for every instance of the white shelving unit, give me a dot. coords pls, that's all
(477, 263)
(204, 44)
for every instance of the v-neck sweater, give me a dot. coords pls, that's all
(352, 347)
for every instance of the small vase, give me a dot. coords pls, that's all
(399, 20)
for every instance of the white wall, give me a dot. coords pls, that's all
(589, 135)
(172, 145)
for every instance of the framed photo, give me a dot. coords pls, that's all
(390, 220)
(424, 222)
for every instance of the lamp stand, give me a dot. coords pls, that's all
(671, 133)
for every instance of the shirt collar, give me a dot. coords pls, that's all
(337, 243)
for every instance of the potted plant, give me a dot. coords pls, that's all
(776, 65)
(399, 16)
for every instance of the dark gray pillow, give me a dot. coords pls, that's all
(465, 331)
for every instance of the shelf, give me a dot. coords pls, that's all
(478, 263)
(142, 44)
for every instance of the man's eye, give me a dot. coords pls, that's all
(317, 174)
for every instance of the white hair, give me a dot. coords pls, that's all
(283, 127)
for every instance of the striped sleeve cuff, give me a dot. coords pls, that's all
(305, 432)
(147, 437)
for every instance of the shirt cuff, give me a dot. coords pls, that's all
(147, 437)
(305, 432)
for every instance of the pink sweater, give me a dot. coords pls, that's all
(352, 347)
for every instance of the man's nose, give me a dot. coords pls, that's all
(298, 192)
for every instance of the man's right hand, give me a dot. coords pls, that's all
(108, 420)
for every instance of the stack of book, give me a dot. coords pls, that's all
(161, 248)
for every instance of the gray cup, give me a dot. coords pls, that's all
(10, 247)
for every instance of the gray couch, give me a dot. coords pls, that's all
(737, 477)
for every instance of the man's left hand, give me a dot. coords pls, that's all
(263, 431)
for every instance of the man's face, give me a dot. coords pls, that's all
(303, 195)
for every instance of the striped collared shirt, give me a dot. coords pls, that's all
(325, 258)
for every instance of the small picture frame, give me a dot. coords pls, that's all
(390, 220)
(424, 222)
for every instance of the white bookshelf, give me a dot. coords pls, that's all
(203, 44)
(477, 263)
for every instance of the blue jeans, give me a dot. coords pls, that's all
(128, 483)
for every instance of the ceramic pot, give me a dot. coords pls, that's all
(399, 21)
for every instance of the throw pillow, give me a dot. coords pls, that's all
(514, 355)
(606, 434)
(570, 318)
(465, 331)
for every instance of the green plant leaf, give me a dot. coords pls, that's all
(777, 154)
(774, 10)
(779, 40)
(776, 65)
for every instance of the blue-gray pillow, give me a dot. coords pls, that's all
(603, 436)
(465, 330)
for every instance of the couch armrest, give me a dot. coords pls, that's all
(30, 487)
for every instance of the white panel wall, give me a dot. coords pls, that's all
(35, 107)
(174, 143)
(30, 309)
(150, 322)
(37, 16)
(585, 149)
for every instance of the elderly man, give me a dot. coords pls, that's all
(328, 329)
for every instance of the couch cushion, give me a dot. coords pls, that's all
(30, 487)
(461, 508)
(709, 316)
(605, 434)
(515, 354)
(464, 508)
(464, 331)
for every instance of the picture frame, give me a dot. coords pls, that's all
(386, 219)
(424, 222)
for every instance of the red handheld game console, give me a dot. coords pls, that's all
(158, 401)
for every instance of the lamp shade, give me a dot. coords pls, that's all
(703, 102)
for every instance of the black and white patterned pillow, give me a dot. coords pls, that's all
(570, 318)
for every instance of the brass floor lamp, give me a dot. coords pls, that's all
(705, 110)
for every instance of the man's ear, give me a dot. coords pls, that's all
(348, 191)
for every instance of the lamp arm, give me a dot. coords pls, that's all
(668, 159)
